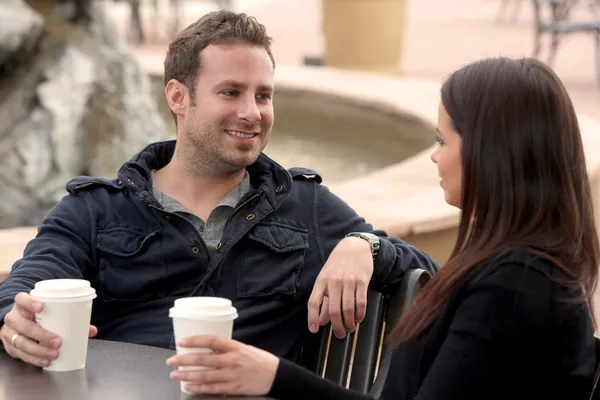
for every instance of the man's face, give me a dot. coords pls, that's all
(230, 120)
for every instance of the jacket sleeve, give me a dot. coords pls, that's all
(292, 382)
(335, 219)
(61, 249)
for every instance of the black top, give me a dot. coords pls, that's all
(507, 333)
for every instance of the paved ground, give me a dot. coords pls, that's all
(440, 36)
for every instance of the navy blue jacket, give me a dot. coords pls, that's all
(140, 258)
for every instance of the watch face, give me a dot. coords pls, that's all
(367, 236)
(372, 238)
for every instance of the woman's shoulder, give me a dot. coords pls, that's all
(517, 260)
(518, 269)
(526, 274)
(521, 285)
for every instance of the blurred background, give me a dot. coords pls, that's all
(418, 38)
(357, 92)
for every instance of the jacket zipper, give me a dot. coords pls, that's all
(193, 228)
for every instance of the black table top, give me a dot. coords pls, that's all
(114, 370)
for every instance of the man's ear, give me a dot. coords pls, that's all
(177, 97)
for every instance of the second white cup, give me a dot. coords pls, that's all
(194, 316)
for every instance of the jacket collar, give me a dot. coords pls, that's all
(265, 174)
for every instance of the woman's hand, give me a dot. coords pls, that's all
(233, 367)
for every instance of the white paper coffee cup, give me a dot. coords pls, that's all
(194, 316)
(67, 313)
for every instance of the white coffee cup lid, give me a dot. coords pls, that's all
(76, 289)
(209, 308)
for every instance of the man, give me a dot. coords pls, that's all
(207, 215)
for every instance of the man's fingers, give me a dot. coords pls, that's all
(348, 301)
(27, 305)
(30, 359)
(93, 331)
(361, 301)
(314, 306)
(22, 346)
(6, 335)
(335, 308)
(33, 349)
(324, 316)
(30, 329)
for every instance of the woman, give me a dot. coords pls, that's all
(509, 314)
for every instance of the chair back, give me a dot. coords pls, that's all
(360, 361)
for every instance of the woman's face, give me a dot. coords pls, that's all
(447, 157)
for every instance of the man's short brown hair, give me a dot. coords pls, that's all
(183, 57)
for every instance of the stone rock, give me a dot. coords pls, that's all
(73, 101)
(20, 30)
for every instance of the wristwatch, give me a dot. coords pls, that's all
(369, 237)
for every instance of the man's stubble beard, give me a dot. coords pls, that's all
(203, 158)
(201, 161)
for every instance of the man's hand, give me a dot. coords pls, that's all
(341, 288)
(33, 344)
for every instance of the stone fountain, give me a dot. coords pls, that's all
(73, 101)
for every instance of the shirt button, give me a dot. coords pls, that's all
(279, 189)
(195, 250)
(250, 217)
(219, 246)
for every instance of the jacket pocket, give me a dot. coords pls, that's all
(132, 267)
(273, 261)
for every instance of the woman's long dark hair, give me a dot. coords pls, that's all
(524, 183)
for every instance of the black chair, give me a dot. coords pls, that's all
(596, 390)
(361, 360)
(559, 24)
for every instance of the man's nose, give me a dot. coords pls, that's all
(248, 110)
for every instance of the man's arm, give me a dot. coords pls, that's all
(61, 249)
(336, 219)
(340, 290)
